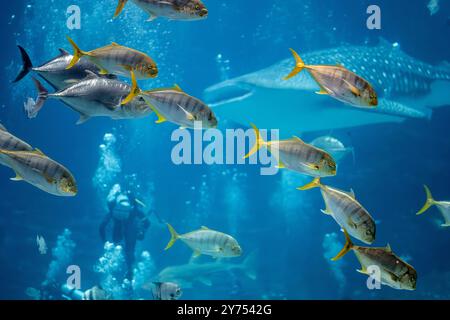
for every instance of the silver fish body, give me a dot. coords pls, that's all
(96, 97)
(41, 172)
(54, 71)
(181, 108)
(394, 272)
(212, 243)
(349, 214)
(166, 291)
(10, 142)
(171, 9)
(304, 158)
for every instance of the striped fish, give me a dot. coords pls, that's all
(93, 97)
(207, 242)
(346, 211)
(42, 172)
(394, 272)
(338, 82)
(296, 155)
(118, 60)
(175, 106)
(443, 207)
(10, 142)
(166, 291)
(171, 9)
(54, 71)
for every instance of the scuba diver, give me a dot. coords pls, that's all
(129, 223)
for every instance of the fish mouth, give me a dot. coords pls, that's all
(227, 92)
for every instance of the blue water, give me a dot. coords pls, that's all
(291, 238)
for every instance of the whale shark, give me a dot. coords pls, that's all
(407, 87)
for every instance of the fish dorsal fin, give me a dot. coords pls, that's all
(382, 42)
(298, 139)
(2, 127)
(115, 44)
(90, 74)
(204, 228)
(63, 52)
(37, 151)
(388, 248)
(177, 88)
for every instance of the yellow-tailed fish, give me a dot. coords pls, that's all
(171, 9)
(346, 211)
(175, 106)
(338, 82)
(40, 171)
(117, 59)
(443, 207)
(394, 272)
(296, 155)
(207, 242)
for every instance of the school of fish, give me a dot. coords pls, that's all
(87, 82)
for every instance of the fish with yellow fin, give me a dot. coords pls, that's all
(171, 9)
(40, 171)
(10, 142)
(296, 155)
(394, 272)
(174, 105)
(346, 211)
(339, 83)
(118, 60)
(208, 242)
(443, 207)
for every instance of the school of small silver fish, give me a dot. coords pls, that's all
(87, 82)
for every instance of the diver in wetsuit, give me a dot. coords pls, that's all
(130, 224)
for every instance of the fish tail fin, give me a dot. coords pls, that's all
(428, 203)
(347, 247)
(313, 184)
(26, 65)
(299, 65)
(174, 237)
(135, 90)
(119, 8)
(32, 107)
(258, 143)
(77, 53)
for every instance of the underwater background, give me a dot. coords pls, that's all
(282, 227)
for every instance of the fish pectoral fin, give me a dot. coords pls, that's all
(353, 89)
(18, 177)
(281, 165)
(362, 271)
(326, 211)
(49, 179)
(322, 91)
(103, 71)
(83, 119)
(152, 17)
(196, 254)
(312, 166)
(189, 116)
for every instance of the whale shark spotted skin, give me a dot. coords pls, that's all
(408, 88)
